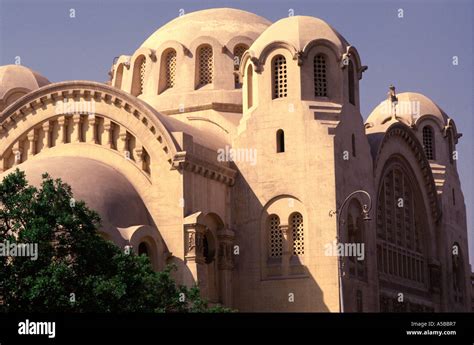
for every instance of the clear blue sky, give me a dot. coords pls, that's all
(414, 53)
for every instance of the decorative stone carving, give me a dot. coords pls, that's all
(194, 242)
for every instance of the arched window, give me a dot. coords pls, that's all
(249, 86)
(239, 51)
(280, 141)
(353, 145)
(143, 249)
(118, 76)
(297, 233)
(138, 81)
(275, 237)
(205, 65)
(320, 77)
(399, 224)
(170, 68)
(428, 143)
(351, 83)
(279, 77)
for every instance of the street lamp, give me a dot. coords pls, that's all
(366, 217)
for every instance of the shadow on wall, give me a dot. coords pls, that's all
(271, 272)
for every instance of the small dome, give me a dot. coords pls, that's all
(16, 81)
(222, 24)
(411, 107)
(103, 188)
(298, 31)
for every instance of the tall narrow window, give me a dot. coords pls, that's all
(275, 237)
(353, 145)
(279, 76)
(205, 65)
(249, 86)
(118, 76)
(239, 51)
(280, 141)
(428, 143)
(297, 232)
(351, 83)
(170, 69)
(320, 78)
(138, 81)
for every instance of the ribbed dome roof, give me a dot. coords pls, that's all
(410, 109)
(298, 31)
(222, 24)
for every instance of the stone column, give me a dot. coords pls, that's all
(17, 153)
(194, 249)
(286, 255)
(91, 129)
(106, 139)
(123, 143)
(31, 143)
(76, 129)
(138, 154)
(62, 126)
(225, 265)
(46, 135)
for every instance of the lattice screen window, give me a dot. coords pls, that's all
(170, 69)
(428, 143)
(280, 79)
(239, 50)
(276, 237)
(142, 75)
(206, 62)
(297, 232)
(320, 78)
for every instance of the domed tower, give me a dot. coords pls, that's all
(188, 69)
(301, 118)
(16, 81)
(432, 137)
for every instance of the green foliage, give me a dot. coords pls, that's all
(74, 259)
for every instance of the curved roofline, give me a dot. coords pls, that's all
(427, 108)
(153, 117)
(188, 16)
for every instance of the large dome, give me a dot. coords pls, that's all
(16, 81)
(103, 188)
(298, 31)
(222, 24)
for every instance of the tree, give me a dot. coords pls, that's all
(75, 270)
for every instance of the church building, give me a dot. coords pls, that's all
(234, 148)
